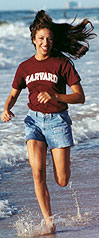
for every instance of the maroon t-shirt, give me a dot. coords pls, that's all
(50, 75)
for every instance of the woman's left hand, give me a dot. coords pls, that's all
(44, 97)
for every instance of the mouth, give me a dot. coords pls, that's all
(45, 48)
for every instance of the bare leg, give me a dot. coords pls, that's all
(61, 164)
(37, 157)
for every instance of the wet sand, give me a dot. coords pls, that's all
(75, 208)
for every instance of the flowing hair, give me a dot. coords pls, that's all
(70, 39)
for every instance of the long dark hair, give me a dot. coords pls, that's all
(70, 39)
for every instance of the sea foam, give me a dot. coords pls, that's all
(6, 210)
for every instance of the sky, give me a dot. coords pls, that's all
(42, 4)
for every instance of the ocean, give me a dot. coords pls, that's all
(76, 207)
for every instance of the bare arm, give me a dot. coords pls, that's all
(11, 100)
(76, 97)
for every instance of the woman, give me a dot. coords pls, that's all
(48, 124)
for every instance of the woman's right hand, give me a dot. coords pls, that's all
(6, 115)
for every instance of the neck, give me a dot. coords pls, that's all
(41, 57)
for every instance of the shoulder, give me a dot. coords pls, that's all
(26, 62)
(61, 58)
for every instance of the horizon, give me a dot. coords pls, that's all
(6, 5)
(9, 10)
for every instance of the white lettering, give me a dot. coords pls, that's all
(54, 78)
(36, 76)
(31, 79)
(41, 76)
(27, 79)
(45, 76)
(49, 77)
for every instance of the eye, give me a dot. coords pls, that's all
(50, 39)
(41, 37)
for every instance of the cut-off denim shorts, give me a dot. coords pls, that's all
(52, 128)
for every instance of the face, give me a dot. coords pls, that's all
(44, 43)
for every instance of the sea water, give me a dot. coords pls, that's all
(75, 208)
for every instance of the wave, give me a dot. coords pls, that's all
(13, 30)
(58, 15)
(85, 129)
(10, 159)
(5, 60)
(77, 20)
(3, 23)
(21, 27)
(6, 209)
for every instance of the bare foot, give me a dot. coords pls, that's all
(50, 225)
(51, 228)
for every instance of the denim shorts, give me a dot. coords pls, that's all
(52, 128)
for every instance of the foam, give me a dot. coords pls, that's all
(85, 129)
(77, 20)
(10, 159)
(6, 210)
(4, 61)
(14, 30)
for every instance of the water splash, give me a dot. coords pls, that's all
(74, 194)
(28, 226)
(31, 225)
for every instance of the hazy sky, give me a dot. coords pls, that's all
(39, 4)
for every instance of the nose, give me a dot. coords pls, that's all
(45, 41)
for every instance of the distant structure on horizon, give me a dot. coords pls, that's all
(72, 5)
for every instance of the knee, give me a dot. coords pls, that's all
(63, 180)
(38, 176)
